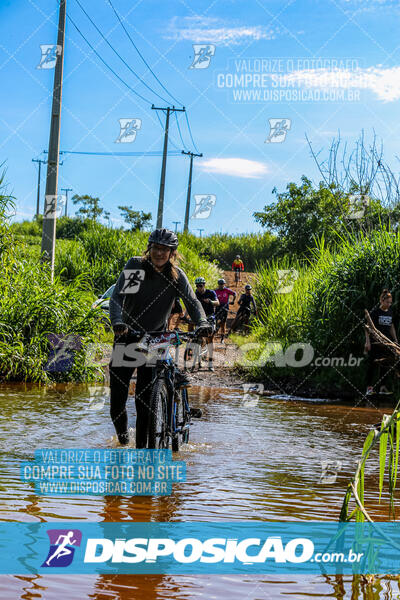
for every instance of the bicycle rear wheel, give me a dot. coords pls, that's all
(159, 430)
(182, 419)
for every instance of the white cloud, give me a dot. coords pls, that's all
(199, 29)
(383, 82)
(370, 5)
(236, 167)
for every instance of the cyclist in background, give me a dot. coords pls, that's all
(382, 318)
(141, 301)
(176, 314)
(237, 267)
(209, 301)
(221, 315)
(246, 303)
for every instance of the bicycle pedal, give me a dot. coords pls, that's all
(196, 413)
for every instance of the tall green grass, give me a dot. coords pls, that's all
(32, 307)
(101, 253)
(254, 248)
(326, 306)
(99, 240)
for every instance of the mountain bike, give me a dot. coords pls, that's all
(221, 318)
(197, 351)
(170, 412)
(237, 276)
(241, 321)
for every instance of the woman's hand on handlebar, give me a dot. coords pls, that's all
(120, 329)
(204, 330)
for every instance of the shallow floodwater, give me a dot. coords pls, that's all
(259, 459)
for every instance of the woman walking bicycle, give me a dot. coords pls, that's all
(382, 318)
(142, 301)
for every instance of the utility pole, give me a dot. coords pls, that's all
(176, 223)
(200, 230)
(50, 212)
(40, 161)
(189, 191)
(66, 190)
(164, 162)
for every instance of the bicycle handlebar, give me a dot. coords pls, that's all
(178, 333)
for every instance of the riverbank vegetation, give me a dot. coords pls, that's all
(313, 311)
(342, 244)
(47, 327)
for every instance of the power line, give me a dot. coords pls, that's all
(167, 112)
(106, 64)
(190, 132)
(126, 84)
(162, 127)
(140, 54)
(150, 153)
(161, 84)
(180, 134)
(117, 53)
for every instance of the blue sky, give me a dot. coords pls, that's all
(349, 47)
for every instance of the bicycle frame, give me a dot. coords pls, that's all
(165, 368)
(158, 346)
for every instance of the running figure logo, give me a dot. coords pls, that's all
(54, 206)
(204, 205)
(50, 53)
(286, 279)
(128, 130)
(202, 55)
(278, 129)
(133, 279)
(62, 547)
(358, 203)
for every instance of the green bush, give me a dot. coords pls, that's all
(32, 307)
(102, 253)
(222, 248)
(326, 306)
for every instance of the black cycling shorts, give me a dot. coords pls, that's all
(222, 313)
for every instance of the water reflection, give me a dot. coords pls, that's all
(254, 461)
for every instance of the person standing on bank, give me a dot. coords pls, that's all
(382, 318)
(142, 301)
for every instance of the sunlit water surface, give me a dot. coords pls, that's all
(247, 460)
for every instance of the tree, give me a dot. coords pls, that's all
(304, 213)
(90, 208)
(301, 214)
(137, 220)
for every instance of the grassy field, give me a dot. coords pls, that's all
(219, 249)
(318, 307)
(32, 308)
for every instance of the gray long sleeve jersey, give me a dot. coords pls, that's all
(144, 302)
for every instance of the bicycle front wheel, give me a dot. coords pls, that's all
(159, 431)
